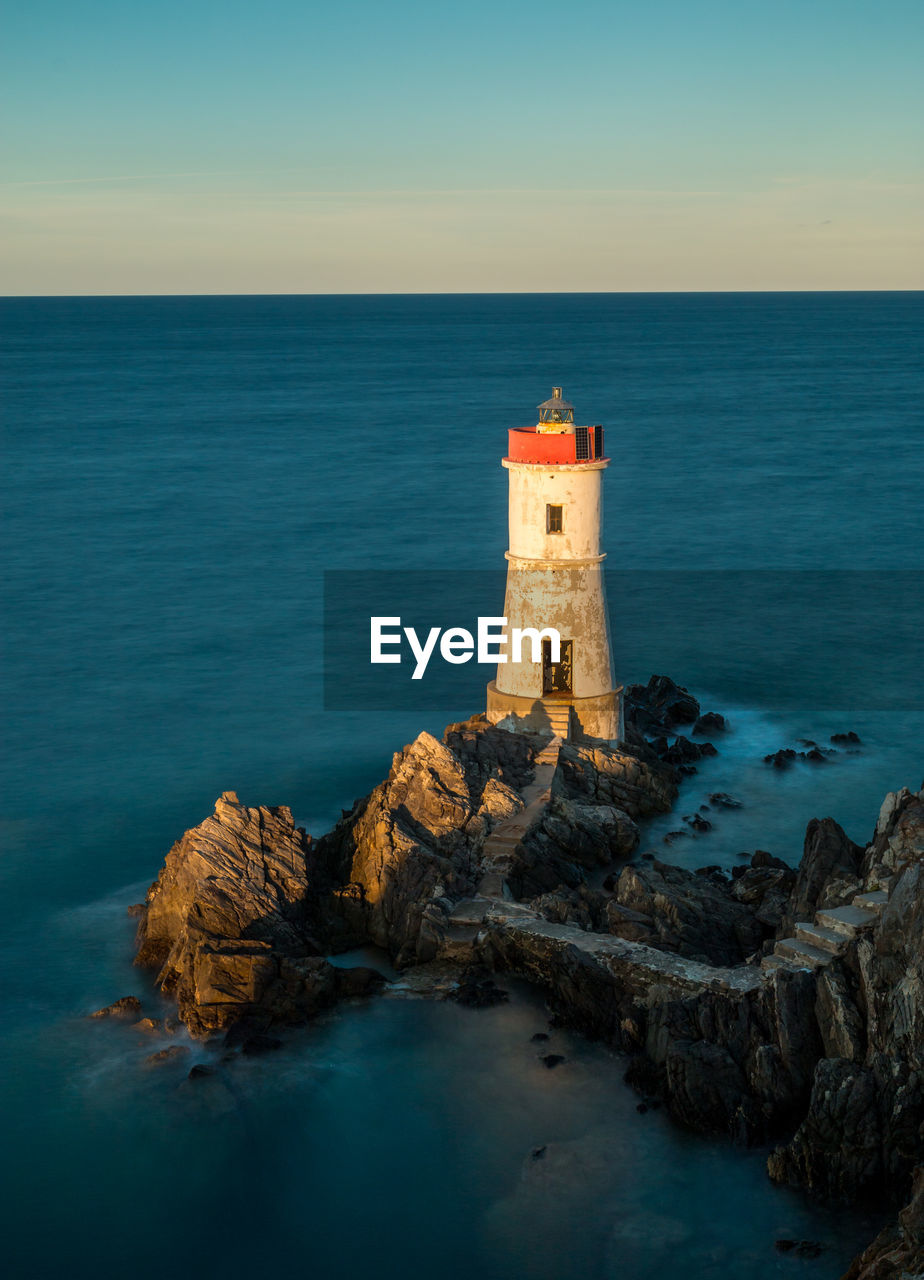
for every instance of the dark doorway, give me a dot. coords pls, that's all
(556, 676)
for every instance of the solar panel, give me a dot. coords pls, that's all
(582, 444)
(598, 442)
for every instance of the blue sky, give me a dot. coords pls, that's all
(217, 147)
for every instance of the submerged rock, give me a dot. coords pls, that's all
(478, 991)
(163, 1057)
(128, 1007)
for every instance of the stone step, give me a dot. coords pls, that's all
(874, 901)
(493, 884)
(559, 716)
(802, 955)
(458, 942)
(845, 920)
(470, 910)
(777, 962)
(549, 753)
(502, 841)
(816, 935)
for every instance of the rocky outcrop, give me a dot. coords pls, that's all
(730, 1050)
(660, 706)
(228, 923)
(570, 839)
(702, 915)
(478, 849)
(863, 1132)
(834, 1052)
(828, 874)
(126, 1009)
(411, 848)
(897, 1253)
(696, 916)
(601, 775)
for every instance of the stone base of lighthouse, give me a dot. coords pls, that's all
(598, 717)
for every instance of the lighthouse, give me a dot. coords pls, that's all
(555, 580)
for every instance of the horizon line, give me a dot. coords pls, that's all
(462, 293)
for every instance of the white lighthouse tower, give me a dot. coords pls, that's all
(555, 579)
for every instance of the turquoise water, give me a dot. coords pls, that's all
(180, 473)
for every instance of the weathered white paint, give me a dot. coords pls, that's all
(569, 597)
(576, 489)
(556, 580)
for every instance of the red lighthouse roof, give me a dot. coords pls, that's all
(555, 440)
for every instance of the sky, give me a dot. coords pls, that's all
(412, 146)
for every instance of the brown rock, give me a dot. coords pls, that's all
(227, 921)
(127, 1007)
(164, 1057)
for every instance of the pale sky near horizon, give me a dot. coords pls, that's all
(216, 147)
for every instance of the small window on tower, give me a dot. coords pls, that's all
(553, 522)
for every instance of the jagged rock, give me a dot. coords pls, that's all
(606, 776)
(899, 834)
(741, 1067)
(897, 1253)
(678, 911)
(411, 848)
(671, 702)
(569, 839)
(123, 1009)
(228, 922)
(710, 722)
(854, 1138)
(863, 1132)
(840, 1021)
(786, 756)
(682, 751)
(582, 906)
(149, 1026)
(828, 874)
(849, 737)
(765, 886)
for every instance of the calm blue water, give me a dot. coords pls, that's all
(180, 472)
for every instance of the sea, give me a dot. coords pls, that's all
(190, 484)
